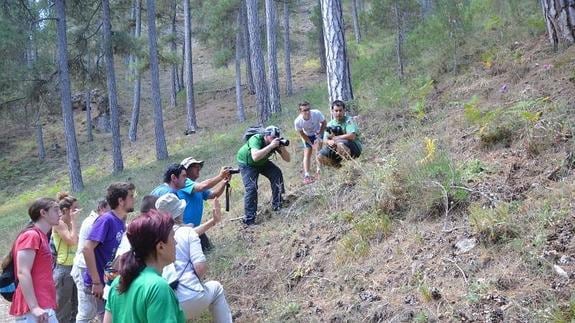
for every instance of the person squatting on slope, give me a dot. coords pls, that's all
(139, 294)
(35, 297)
(65, 238)
(310, 124)
(254, 159)
(341, 138)
(186, 273)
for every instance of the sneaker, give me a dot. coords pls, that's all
(308, 180)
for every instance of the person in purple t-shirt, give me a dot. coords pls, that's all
(102, 242)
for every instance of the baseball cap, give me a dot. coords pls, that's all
(170, 203)
(272, 131)
(190, 161)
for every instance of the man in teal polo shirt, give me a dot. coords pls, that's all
(195, 193)
(253, 159)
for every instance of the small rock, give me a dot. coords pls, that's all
(369, 296)
(566, 260)
(435, 294)
(465, 245)
(559, 271)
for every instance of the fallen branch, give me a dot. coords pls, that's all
(456, 265)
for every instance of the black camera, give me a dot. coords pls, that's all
(233, 170)
(334, 130)
(284, 142)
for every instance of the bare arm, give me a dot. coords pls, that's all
(108, 317)
(305, 137)
(259, 154)
(216, 218)
(209, 183)
(90, 258)
(25, 260)
(201, 268)
(68, 235)
(284, 153)
(217, 192)
(322, 129)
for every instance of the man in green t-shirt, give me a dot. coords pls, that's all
(253, 159)
(341, 138)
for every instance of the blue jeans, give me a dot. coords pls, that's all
(250, 176)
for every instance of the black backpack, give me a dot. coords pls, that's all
(253, 130)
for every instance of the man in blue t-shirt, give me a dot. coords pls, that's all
(195, 193)
(174, 179)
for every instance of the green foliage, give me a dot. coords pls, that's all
(475, 290)
(492, 225)
(216, 27)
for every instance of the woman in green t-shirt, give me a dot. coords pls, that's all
(140, 294)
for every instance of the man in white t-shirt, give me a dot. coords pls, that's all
(310, 124)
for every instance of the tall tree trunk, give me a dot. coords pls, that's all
(238, 60)
(426, 8)
(287, 50)
(174, 69)
(272, 51)
(321, 43)
(182, 80)
(73, 157)
(247, 50)
(560, 21)
(88, 99)
(189, 72)
(39, 135)
(355, 18)
(258, 70)
(161, 148)
(133, 131)
(338, 72)
(399, 38)
(118, 163)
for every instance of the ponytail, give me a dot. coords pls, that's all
(130, 267)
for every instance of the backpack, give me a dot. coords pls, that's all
(253, 130)
(8, 279)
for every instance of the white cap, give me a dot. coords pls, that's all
(190, 161)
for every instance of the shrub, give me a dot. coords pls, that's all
(492, 225)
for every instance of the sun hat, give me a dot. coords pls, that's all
(170, 203)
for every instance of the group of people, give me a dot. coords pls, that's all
(332, 141)
(153, 269)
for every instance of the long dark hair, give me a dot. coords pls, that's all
(144, 233)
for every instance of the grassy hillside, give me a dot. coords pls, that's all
(459, 209)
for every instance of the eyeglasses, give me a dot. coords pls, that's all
(305, 110)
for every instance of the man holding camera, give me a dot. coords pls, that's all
(195, 193)
(253, 159)
(341, 137)
(310, 124)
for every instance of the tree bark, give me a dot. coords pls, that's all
(161, 148)
(174, 69)
(39, 136)
(560, 21)
(72, 155)
(189, 72)
(247, 50)
(88, 99)
(133, 131)
(355, 18)
(321, 42)
(287, 50)
(338, 72)
(271, 37)
(258, 70)
(118, 163)
(239, 98)
(399, 39)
